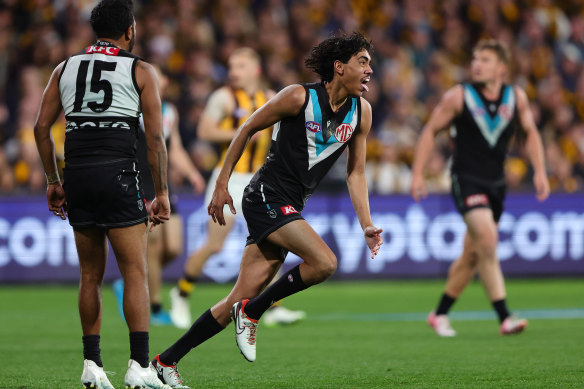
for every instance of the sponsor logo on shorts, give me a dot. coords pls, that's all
(312, 126)
(140, 204)
(290, 278)
(476, 199)
(343, 132)
(272, 213)
(288, 209)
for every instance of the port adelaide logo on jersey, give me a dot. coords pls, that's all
(312, 126)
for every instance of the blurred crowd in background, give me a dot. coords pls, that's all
(422, 48)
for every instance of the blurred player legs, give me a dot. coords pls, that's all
(164, 244)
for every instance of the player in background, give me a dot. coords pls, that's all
(485, 114)
(227, 109)
(102, 90)
(313, 124)
(164, 243)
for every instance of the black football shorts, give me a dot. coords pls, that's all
(265, 212)
(469, 193)
(106, 196)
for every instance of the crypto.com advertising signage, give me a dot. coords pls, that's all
(421, 239)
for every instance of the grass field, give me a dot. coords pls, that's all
(357, 335)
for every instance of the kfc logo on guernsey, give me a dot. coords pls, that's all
(107, 50)
(312, 126)
(476, 199)
(288, 209)
(343, 132)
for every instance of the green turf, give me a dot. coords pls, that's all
(40, 340)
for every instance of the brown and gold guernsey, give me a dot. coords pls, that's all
(255, 153)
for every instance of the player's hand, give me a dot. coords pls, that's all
(373, 239)
(159, 211)
(542, 186)
(56, 200)
(418, 187)
(220, 197)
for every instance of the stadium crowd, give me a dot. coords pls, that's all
(422, 47)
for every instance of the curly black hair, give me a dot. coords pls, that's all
(342, 48)
(111, 18)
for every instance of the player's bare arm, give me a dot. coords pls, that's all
(48, 113)
(533, 145)
(157, 154)
(287, 102)
(448, 108)
(357, 183)
(220, 105)
(180, 160)
(270, 93)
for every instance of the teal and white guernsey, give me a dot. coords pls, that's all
(305, 146)
(482, 135)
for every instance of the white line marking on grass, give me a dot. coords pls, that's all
(568, 313)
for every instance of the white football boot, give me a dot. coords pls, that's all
(512, 325)
(168, 374)
(94, 377)
(180, 310)
(245, 331)
(280, 315)
(441, 325)
(138, 377)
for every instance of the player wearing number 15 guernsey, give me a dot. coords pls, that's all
(313, 123)
(102, 90)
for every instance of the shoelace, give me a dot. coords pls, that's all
(252, 333)
(176, 374)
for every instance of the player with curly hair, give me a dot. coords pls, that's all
(313, 124)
